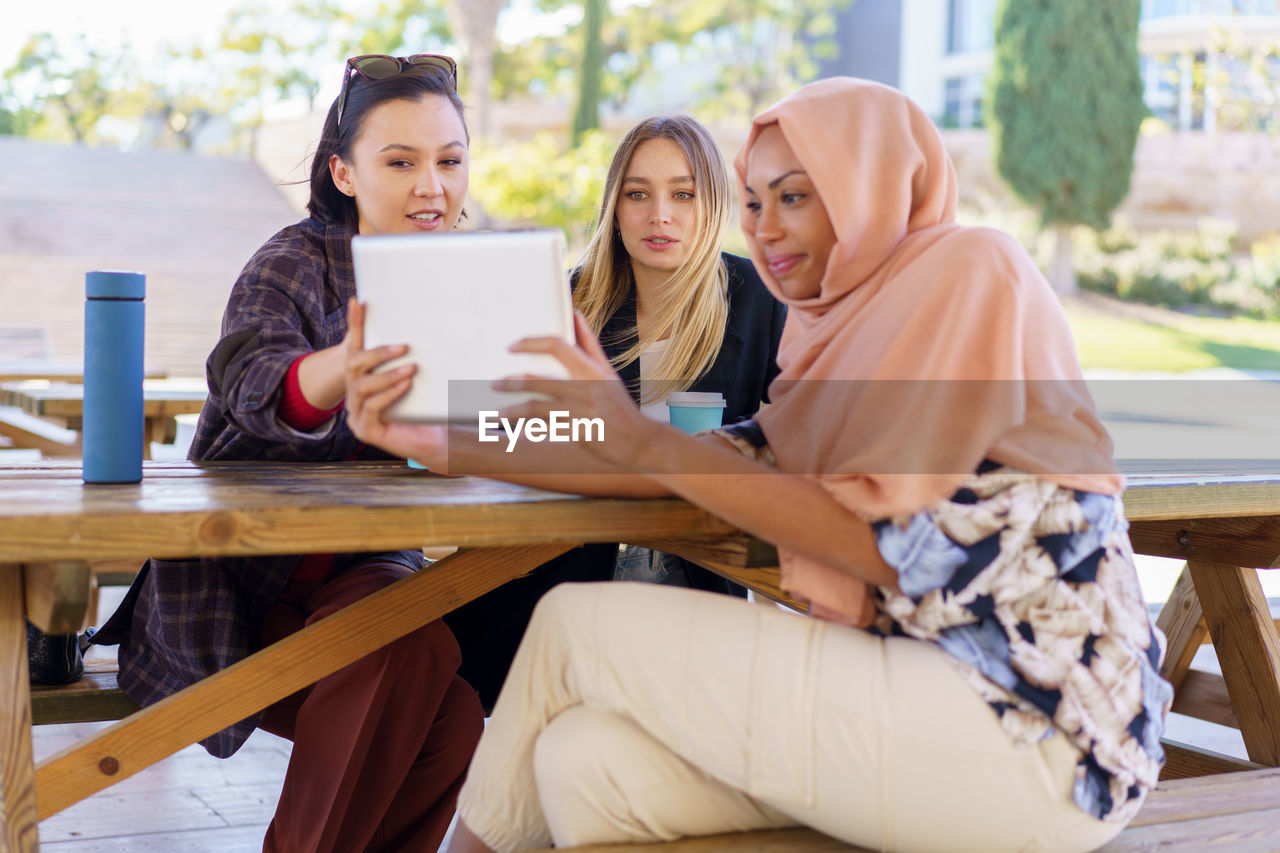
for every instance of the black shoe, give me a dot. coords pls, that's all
(53, 658)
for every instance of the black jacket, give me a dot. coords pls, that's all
(744, 367)
(747, 361)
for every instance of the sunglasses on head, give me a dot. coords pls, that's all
(377, 66)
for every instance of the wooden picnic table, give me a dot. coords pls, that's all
(1223, 518)
(63, 403)
(51, 525)
(26, 369)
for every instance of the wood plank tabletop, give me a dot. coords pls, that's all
(185, 508)
(21, 370)
(1200, 489)
(235, 508)
(161, 398)
(27, 369)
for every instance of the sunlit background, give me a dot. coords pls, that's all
(174, 138)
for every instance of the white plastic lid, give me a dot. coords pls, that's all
(696, 399)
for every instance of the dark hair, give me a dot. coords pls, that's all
(327, 203)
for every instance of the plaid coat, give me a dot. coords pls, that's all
(183, 620)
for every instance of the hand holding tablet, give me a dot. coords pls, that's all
(459, 301)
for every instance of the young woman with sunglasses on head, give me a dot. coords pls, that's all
(379, 747)
(674, 313)
(977, 671)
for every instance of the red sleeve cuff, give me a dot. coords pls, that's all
(294, 409)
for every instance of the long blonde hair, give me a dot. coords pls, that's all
(696, 319)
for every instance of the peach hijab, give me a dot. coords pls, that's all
(927, 346)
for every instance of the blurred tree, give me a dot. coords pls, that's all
(475, 22)
(586, 115)
(394, 27)
(540, 182)
(631, 38)
(16, 119)
(754, 51)
(284, 49)
(402, 27)
(762, 49)
(179, 96)
(70, 88)
(263, 57)
(542, 67)
(1064, 107)
(177, 115)
(267, 56)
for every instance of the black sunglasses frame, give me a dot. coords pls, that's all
(402, 64)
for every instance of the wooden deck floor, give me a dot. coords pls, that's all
(187, 803)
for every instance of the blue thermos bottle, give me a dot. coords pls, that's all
(113, 340)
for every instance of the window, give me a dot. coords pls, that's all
(970, 25)
(962, 105)
(1170, 8)
(1160, 79)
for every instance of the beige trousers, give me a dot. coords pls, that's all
(636, 712)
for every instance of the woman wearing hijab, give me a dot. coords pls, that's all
(981, 673)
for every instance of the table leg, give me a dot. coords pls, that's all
(148, 431)
(765, 581)
(1181, 621)
(1244, 637)
(17, 771)
(158, 731)
(57, 595)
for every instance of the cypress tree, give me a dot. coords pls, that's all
(1064, 106)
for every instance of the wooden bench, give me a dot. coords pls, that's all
(93, 698)
(28, 431)
(1228, 812)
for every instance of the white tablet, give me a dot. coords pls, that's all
(459, 300)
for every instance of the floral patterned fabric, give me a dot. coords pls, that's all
(1031, 590)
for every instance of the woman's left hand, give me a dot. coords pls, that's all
(593, 390)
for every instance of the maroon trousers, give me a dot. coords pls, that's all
(380, 747)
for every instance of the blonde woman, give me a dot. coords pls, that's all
(674, 314)
(672, 311)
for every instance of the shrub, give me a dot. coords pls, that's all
(1182, 269)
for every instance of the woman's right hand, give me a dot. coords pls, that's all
(369, 393)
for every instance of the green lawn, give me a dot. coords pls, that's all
(1167, 340)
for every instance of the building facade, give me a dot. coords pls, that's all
(1207, 65)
